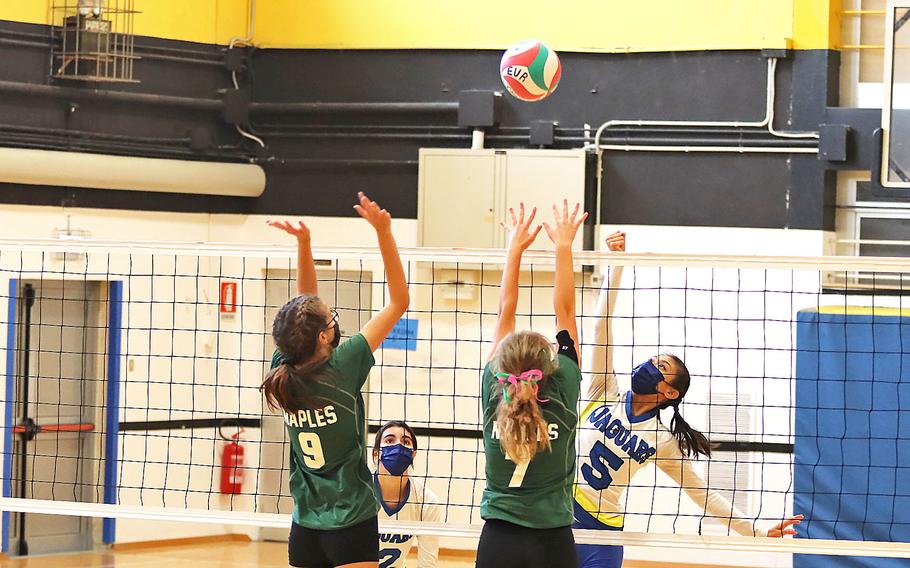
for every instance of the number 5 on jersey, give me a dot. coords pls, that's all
(311, 447)
(603, 459)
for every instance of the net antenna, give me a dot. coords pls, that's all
(92, 40)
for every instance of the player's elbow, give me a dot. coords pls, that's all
(401, 301)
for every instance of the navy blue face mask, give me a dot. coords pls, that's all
(396, 459)
(645, 378)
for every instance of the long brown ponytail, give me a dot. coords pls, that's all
(296, 333)
(691, 441)
(522, 429)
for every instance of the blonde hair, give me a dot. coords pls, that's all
(522, 429)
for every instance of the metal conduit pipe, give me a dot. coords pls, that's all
(289, 131)
(291, 128)
(321, 108)
(88, 151)
(335, 162)
(23, 43)
(766, 122)
(39, 142)
(92, 135)
(148, 56)
(33, 89)
(644, 140)
(44, 37)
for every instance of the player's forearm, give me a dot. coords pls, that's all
(306, 268)
(508, 289)
(394, 271)
(427, 551)
(564, 288)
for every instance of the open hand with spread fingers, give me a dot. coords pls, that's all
(783, 529)
(522, 232)
(300, 231)
(565, 226)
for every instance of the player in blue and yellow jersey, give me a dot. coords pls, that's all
(315, 381)
(621, 432)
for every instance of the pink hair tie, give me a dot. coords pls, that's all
(532, 376)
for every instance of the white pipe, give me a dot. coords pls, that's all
(250, 27)
(770, 112)
(252, 137)
(663, 540)
(477, 139)
(104, 171)
(726, 149)
(248, 40)
(460, 255)
(767, 121)
(875, 242)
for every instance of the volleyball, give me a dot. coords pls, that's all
(530, 70)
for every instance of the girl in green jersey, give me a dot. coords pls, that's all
(315, 381)
(529, 397)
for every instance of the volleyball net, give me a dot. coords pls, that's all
(129, 367)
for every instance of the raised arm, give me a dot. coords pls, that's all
(562, 234)
(603, 376)
(679, 467)
(522, 233)
(306, 268)
(377, 329)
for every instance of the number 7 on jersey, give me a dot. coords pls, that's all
(518, 476)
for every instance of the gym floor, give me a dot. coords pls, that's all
(215, 555)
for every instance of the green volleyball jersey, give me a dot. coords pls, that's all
(537, 494)
(329, 479)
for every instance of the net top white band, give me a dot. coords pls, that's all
(751, 544)
(462, 255)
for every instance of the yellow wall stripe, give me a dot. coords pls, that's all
(614, 26)
(860, 311)
(203, 21)
(610, 26)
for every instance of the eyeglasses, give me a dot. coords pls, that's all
(334, 321)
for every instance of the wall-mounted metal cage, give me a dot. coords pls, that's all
(93, 40)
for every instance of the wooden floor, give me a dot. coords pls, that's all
(210, 555)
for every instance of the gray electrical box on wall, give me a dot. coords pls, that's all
(464, 194)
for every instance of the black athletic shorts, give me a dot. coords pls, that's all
(506, 545)
(313, 548)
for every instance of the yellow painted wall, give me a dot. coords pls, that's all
(571, 25)
(203, 21)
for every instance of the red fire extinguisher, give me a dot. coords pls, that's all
(232, 464)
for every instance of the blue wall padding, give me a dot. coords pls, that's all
(852, 438)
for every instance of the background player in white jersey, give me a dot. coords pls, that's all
(619, 433)
(402, 498)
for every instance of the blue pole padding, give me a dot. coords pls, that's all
(115, 314)
(8, 422)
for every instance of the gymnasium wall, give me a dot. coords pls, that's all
(698, 60)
